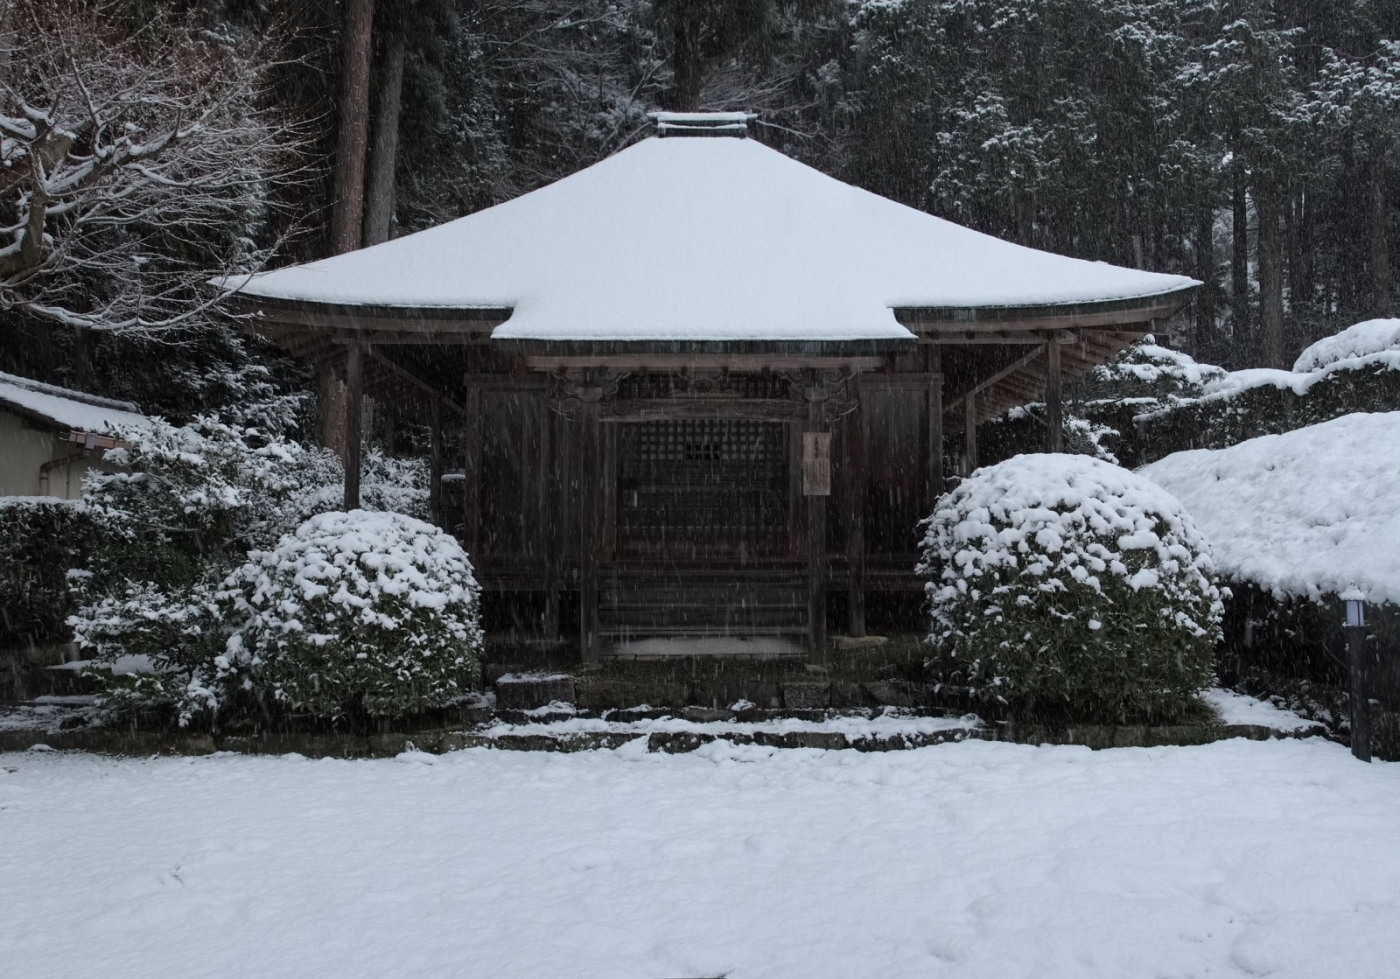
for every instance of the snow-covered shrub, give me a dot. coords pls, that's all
(1148, 370)
(183, 511)
(355, 613)
(1064, 584)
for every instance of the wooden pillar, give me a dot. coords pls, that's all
(552, 502)
(855, 491)
(471, 470)
(1054, 399)
(590, 502)
(435, 464)
(933, 471)
(970, 432)
(354, 389)
(816, 537)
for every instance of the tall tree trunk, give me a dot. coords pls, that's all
(1293, 250)
(83, 342)
(1267, 201)
(348, 207)
(1239, 260)
(388, 103)
(686, 63)
(1382, 295)
(352, 138)
(1205, 271)
(1305, 278)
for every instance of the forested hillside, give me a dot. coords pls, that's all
(146, 146)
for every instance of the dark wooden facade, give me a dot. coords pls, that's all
(730, 491)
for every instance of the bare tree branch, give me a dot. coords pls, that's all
(132, 169)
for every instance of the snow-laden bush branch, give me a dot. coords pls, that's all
(132, 166)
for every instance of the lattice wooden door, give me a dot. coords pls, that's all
(705, 486)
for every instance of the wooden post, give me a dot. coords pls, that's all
(354, 389)
(471, 470)
(554, 499)
(1054, 403)
(970, 433)
(435, 465)
(855, 488)
(933, 472)
(816, 543)
(590, 502)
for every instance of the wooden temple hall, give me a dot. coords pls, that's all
(695, 397)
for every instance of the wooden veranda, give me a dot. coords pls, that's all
(687, 491)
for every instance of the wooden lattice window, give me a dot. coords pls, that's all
(702, 486)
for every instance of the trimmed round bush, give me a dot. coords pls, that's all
(356, 613)
(1066, 586)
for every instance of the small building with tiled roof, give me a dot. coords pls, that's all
(50, 436)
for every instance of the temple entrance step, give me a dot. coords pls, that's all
(634, 608)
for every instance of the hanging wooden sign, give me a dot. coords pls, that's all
(816, 463)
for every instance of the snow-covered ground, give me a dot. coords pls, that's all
(976, 859)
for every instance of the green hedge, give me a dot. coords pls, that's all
(1217, 423)
(40, 540)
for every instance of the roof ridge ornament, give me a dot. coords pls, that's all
(702, 123)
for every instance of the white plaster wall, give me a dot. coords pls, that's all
(25, 447)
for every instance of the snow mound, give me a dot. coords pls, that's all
(1306, 513)
(1364, 339)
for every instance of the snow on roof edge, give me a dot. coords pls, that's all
(65, 408)
(57, 391)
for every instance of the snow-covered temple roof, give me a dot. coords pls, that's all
(63, 408)
(716, 239)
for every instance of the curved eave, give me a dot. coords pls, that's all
(364, 322)
(1113, 314)
(799, 348)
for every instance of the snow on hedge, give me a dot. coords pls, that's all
(1374, 343)
(358, 610)
(1369, 339)
(1310, 512)
(1066, 580)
